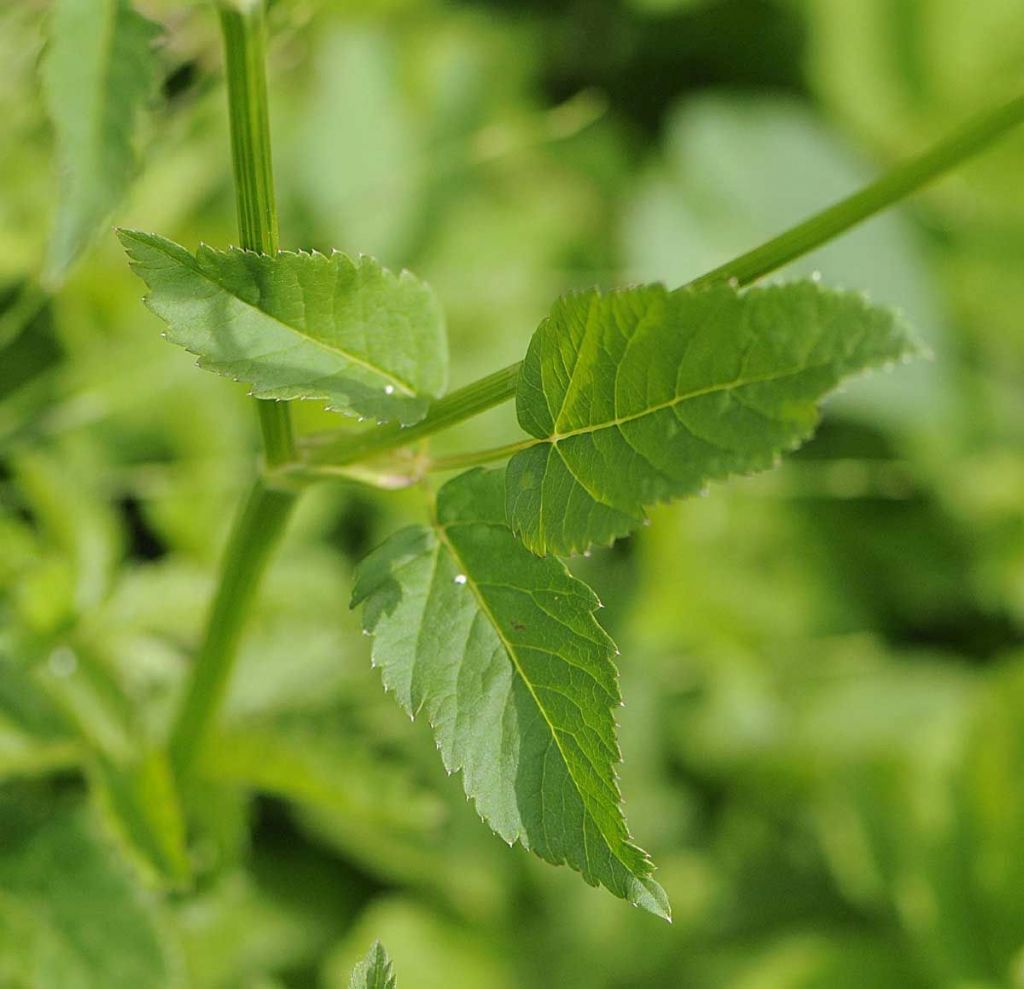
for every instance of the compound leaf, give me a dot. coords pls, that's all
(500, 649)
(369, 342)
(99, 73)
(374, 971)
(643, 395)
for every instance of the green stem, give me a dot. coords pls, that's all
(462, 461)
(906, 178)
(895, 185)
(253, 538)
(245, 43)
(265, 512)
(448, 411)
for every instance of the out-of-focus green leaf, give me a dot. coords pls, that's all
(307, 760)
(359, 155)
(79, 525)
(992, 806)
(250, 925)
(90, 695)
(139, 801)
(813, 961)
(26, 162)
(375, 971)
(662, 7)
(369, 342)
(429, 950)
(34, 737)
(643, 395)
(901, 70)
(85, 924)
(99, 74)
(500, 649)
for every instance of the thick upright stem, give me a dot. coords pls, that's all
(256, 532)
(245, 43)
(265, 512)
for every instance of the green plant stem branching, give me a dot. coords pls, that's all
(455, 407)
(895, 185)
(265, 512)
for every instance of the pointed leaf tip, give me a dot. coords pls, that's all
(351, 333)
(644, 395)
(375, 971)
(502, 653)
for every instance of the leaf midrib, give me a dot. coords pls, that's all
(557, 437)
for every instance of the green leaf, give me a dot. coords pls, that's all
(34, 737)
(784, 163)
(98, 75)
(643, 395)
(374, 971)
(84, 923)
(367, 341)
(503, 654)
(312, 761)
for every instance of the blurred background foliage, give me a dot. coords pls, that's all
(823, 666)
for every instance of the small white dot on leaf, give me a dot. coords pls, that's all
(460, 578)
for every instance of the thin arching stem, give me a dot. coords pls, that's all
(819, 229)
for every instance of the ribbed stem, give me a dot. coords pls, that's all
(245, 44)
(265, 512)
